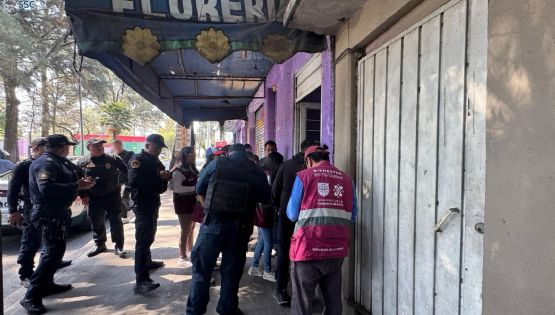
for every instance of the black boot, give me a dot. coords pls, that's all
(64, 263)
(33, 306)
(97, 250)
(155, 265)
(145, 286)
(55, 288)
(281, 297)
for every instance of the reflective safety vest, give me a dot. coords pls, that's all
(323, 227)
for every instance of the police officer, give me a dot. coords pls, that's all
(232, 186)
(126, 156)
(18, 189)
(147, 179)
(54, 184)
(104, 199)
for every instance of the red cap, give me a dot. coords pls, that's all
(312, 149)
(219, 152)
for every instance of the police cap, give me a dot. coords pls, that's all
(95, 141)
(38, 142)
(156, 139)
(54, 141)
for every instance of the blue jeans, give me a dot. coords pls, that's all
(230, 237)
(264, 246)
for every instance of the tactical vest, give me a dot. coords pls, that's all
(230, 192)
(108, 174)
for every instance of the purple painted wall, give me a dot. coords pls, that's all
(279, 106)
(328, 97)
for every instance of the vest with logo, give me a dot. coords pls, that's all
(323, 227)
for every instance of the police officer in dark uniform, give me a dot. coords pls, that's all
(147, 179)
(117, 147)
(232, 187)
(104, 199)
(18, 190)
(54, 184)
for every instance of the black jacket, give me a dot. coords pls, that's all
(126, 157)
(18, 188)
(144, 178)
(53, 186)
(285, 178)
(107, 168)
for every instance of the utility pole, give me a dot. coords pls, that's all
(82, 140)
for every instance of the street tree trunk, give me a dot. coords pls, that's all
(54, 109)
(10, 133)
(114, 132)
(46, 120)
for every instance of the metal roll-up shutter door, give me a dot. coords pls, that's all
(259, 132)
(309, 77)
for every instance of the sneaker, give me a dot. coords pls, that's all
(184, 262)
(282, 297)
(270, 276)
(120, 252)
(274, 253)
(255, 271)
(25, 282)
(33, 306)
(97, 249)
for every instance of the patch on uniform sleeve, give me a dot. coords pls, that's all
(135, 164)
(44, 175)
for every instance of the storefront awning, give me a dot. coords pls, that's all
(194, 59)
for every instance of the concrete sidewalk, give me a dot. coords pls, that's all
(104, 284)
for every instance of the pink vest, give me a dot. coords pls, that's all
(322, 230)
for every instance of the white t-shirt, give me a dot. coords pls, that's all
(177, 183)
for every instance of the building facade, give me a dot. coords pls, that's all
(294, 103)
(443, 111)
(446, 111)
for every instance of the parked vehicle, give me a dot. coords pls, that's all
(79, 217)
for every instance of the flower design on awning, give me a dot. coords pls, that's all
(140, 45)
(278, 47)
(213, 45)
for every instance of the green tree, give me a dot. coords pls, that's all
(116, 116)
(28, 39)
(15, 46)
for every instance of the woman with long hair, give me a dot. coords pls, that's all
(184, 179)
(265, 234)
